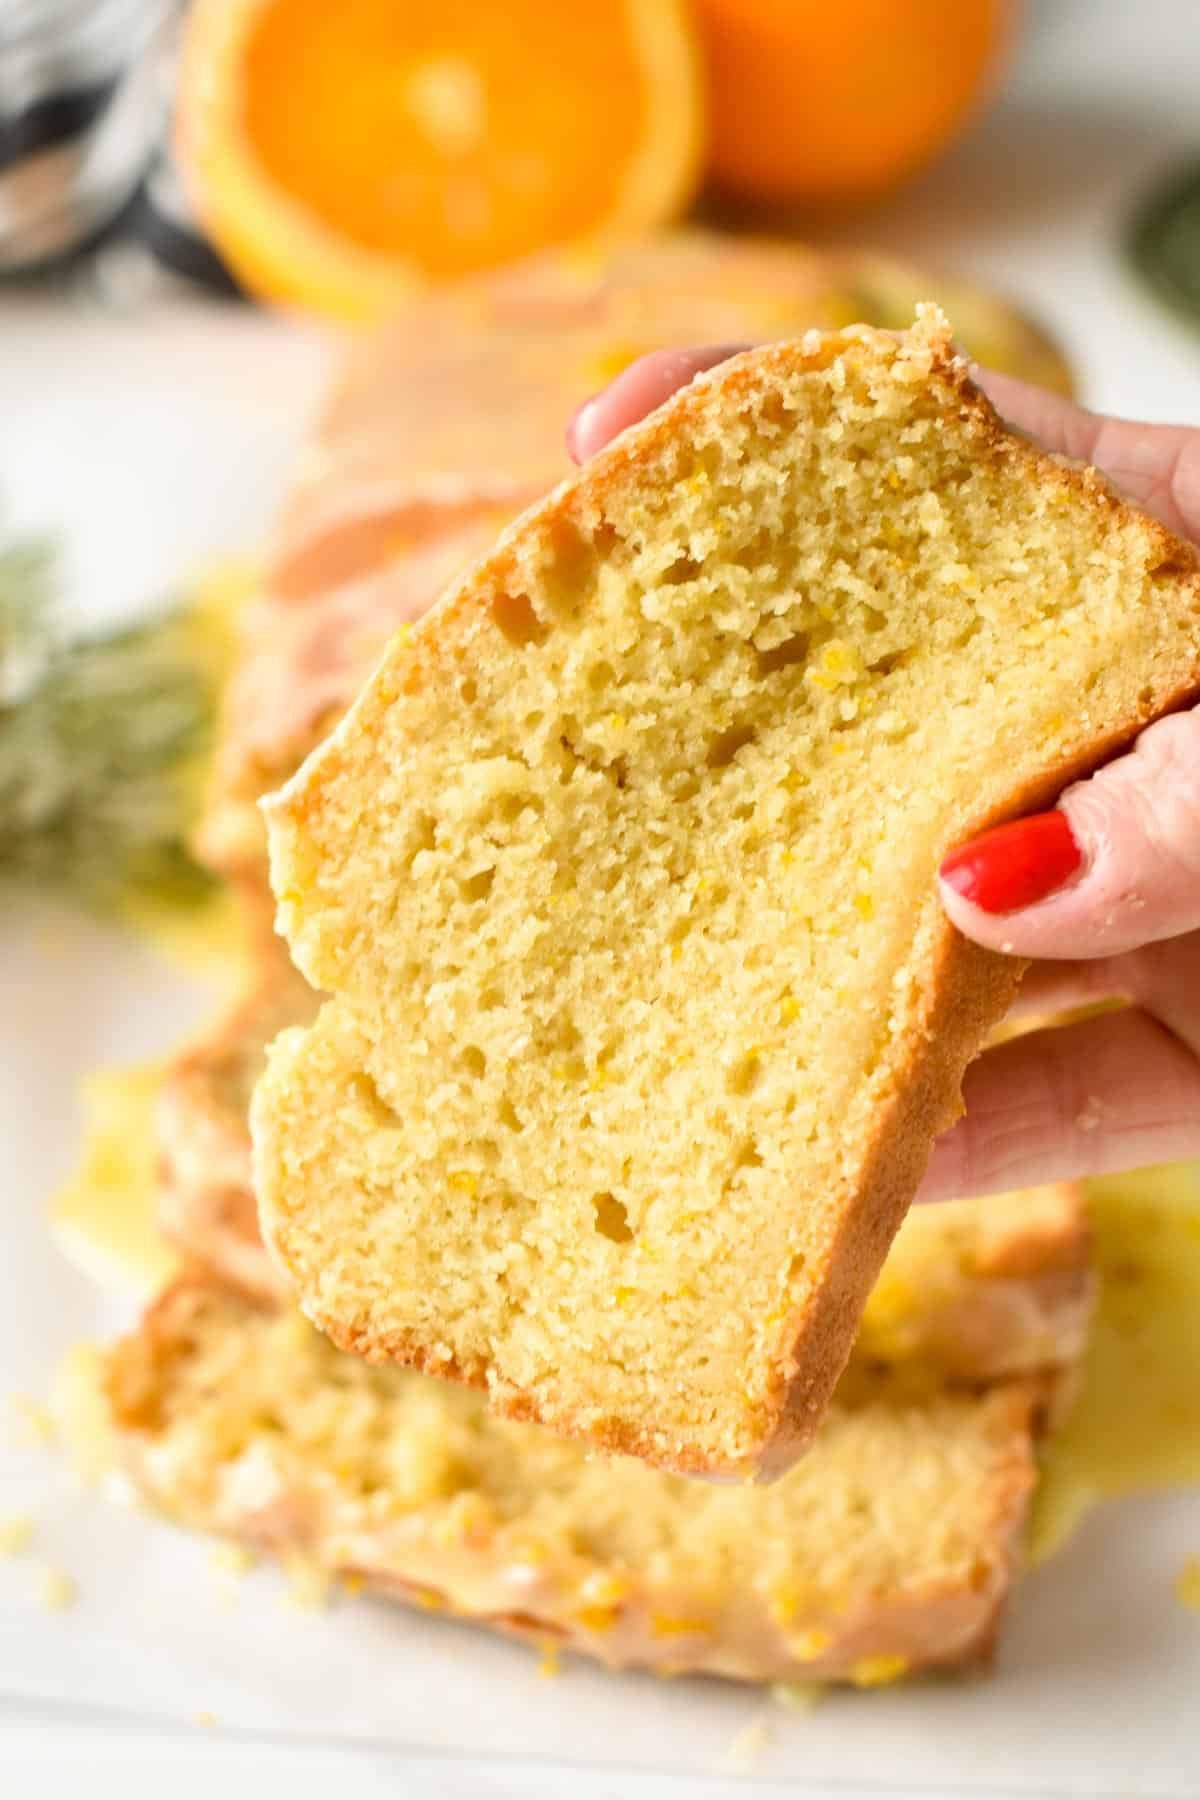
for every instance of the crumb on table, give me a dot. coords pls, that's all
(16, 1535)
(58, 1589)
(1187, 1584)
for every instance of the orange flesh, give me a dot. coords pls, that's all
(505, 127)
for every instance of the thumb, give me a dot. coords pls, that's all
(636, 391)
(1116, 866)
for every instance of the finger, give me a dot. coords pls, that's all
(636, 391)
(1134, 876)
(1056, 422)
(1112, 1093)
(1163, 979)
(1059, 987)
(1158, 466)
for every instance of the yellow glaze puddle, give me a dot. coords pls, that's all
(1135, 1424)
(1187, 1584)
(104, 1216)
(202, 934)
(205, 937)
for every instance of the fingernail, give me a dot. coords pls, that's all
(576, 442)
(1015, 865)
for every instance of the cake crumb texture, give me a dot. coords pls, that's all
(620, 872)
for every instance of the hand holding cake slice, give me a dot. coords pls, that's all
(620, 874)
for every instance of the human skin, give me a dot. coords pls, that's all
(1103, 893)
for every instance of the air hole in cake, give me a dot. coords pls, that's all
(612, 1220)
(510, 806)
(477, 886)
(372, 1101)
(744, 1074)
(591, 756)
(516, 620)
(761, 552)
(725, 745)
(1178, 562)
(886, 665)
(474, 1061)
(568, 576)
(773, 409)
(783, 656)
(684, 568)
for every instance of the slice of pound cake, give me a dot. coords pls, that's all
(620, 872)
(892, 1547)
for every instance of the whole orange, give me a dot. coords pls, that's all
(825, 101)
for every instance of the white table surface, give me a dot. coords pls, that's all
(152, 441)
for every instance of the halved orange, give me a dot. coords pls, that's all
(342, 151)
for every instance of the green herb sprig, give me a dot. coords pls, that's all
(100, 738)
(1163, 242)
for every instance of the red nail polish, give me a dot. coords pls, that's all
(1015, 865)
